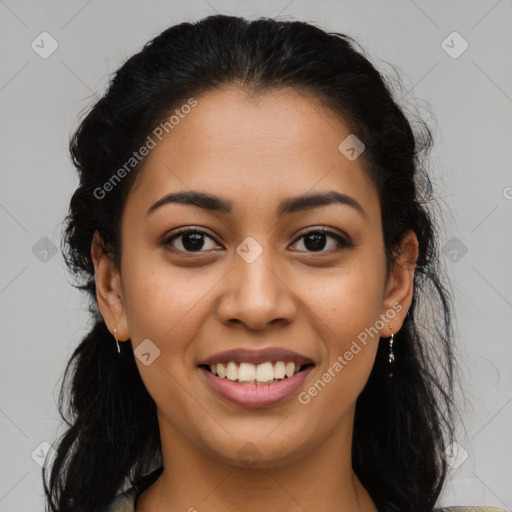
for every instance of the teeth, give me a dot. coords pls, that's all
(248, 373)
(264, 372)
(280, 370)
(232, 371)
(290, 369)
(220, 370)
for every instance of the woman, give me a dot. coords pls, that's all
(251, 227)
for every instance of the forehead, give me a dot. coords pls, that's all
(279, 144)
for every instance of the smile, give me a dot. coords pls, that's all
(256, 374)
(261, 394)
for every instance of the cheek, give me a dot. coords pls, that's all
(349, 306)
(160, 308)
(350, 343)
(349, 299)
(160, 298)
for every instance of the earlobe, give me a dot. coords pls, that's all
(108, 290)
(400, 286)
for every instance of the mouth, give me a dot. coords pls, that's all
(255, 385)
(262, 374)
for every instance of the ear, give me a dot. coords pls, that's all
(400, 285)
(108, 290)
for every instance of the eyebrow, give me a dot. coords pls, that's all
(290, 205)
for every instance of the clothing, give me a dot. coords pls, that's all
(127, 500)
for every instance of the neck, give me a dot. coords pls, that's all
(194, 481)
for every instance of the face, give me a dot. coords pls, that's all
(253, 275)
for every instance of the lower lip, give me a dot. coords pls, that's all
(256, 396)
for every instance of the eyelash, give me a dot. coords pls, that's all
(342, 242)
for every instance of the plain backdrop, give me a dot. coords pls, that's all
(465, 93)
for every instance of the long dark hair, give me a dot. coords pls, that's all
(402, 424)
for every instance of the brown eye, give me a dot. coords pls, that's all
(315, 240)
(193, 240)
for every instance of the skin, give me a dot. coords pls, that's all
(254, 151)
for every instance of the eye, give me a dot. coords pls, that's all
(315, 240)
(193, 240)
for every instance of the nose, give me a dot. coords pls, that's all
(257, 294)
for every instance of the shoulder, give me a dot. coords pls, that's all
(471, 509)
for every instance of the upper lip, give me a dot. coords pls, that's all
(247, 355)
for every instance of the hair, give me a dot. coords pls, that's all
(402, 424)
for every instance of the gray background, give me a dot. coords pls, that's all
(43, 318)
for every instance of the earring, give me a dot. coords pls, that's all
(117, 342)
(391, 358)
